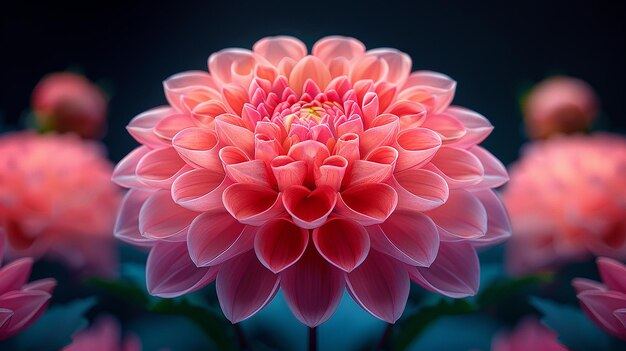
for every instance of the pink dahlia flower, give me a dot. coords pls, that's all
(311, 173)
(605, 304)
(57, 200)
(559, 105)
(528, 335)
(69, 102)
(567, 202)
(21, 304)
(103, 335)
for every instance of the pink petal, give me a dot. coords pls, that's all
(205, 112)
(368, 68)
(377, 167)
(142, 126)
(167, 128)
(613, 274)
(266, 148)
(232, 65)
(410, 237)
(498, 224)
(244, 286)
(127, 222)
(288, 171)
(235, 97)
(46, 285)
(582, 284)
(5, 317)
(279, 243)
(331, 172)
(331, 47)
(198, 147)
(312, 288)
(311, 68)
(383, 131)
(215, 237)
(380, 286)
(171, 273)
(27, 307)
(249, 172)
(14, 275)
(460, 168)
(274, 49)
(313, 153)
(495, 172)
(477, 126)
(463, 216)
(183, 83)
(599, 307)
(621, 316)
(342, 242)
(159, 168)
(454, 273)
(232, 131)
(416, 147)
(398, 62)
(447, 126)
(252, 204)
(419, 190)
(347, 146)
(161, 218)
(124, 173)
(411, 114)
(309, 209)
(433, 90)
(367, 204)
(200, 190)
(369, 107)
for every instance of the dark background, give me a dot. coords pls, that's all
(494, 50)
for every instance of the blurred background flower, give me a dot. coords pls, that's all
(104, 334)
(529, 334)
(69, 102)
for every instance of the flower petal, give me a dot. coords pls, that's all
(613, 274)
(232, 131)
(141, 127)
(410, 237)
(125, 174)
(312, 288)
(463, 216)
(200, 190)
(47, 285)
(498, 224)
(127, 222)
(331, 47)
(171, 273)
(244, 286)
(411, 114)
(454, 273)
(309, 209)
(331, 172)
(599, 307)
(198, 147)
(232, 65)
(27, 307)
(368, 204)
(159, 168)
(167, 128)
(433, 90)
(279, 243)
(15, 274)
(419, 190)
(215, 237)
(161, 218)
(447, 126)
(274, 49)
(477, 126)
(342, 242)
(380, 285)
(252, 204)
(459, 167)
(311, 68)
(288, 171)
(179, 85)
(582, 284)
(377, 167)
(495, 172)
(415, 147)
(398, 62)
(383, 131)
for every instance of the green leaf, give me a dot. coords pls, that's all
(499, 290)
(414, 325)
(575, 330)
(211, 323)
(53, 331)
(124, 289)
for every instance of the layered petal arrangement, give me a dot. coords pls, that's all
(528, 335)
(567, 202)
(559, 105)
(311, 173)
(103, 335)
(21, 303)
(69, 102)
(57, 200)
(605, 303)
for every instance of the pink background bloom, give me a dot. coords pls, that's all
(559, 105)
(567, 201)
(103, 335)
(56, 199)
(605, 304)
(311, 173)
(21, 303)
(529, 334)
(69, 102)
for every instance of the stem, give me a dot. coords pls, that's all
(313, 339)
(243, 342)
(384, 340)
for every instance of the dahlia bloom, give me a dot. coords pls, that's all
(528, 335)
(312, 174)
(57, 200)
(605, 304)
(559, 105)
(104, 335)
(69, 102)
(21, 304)
(567, 202)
